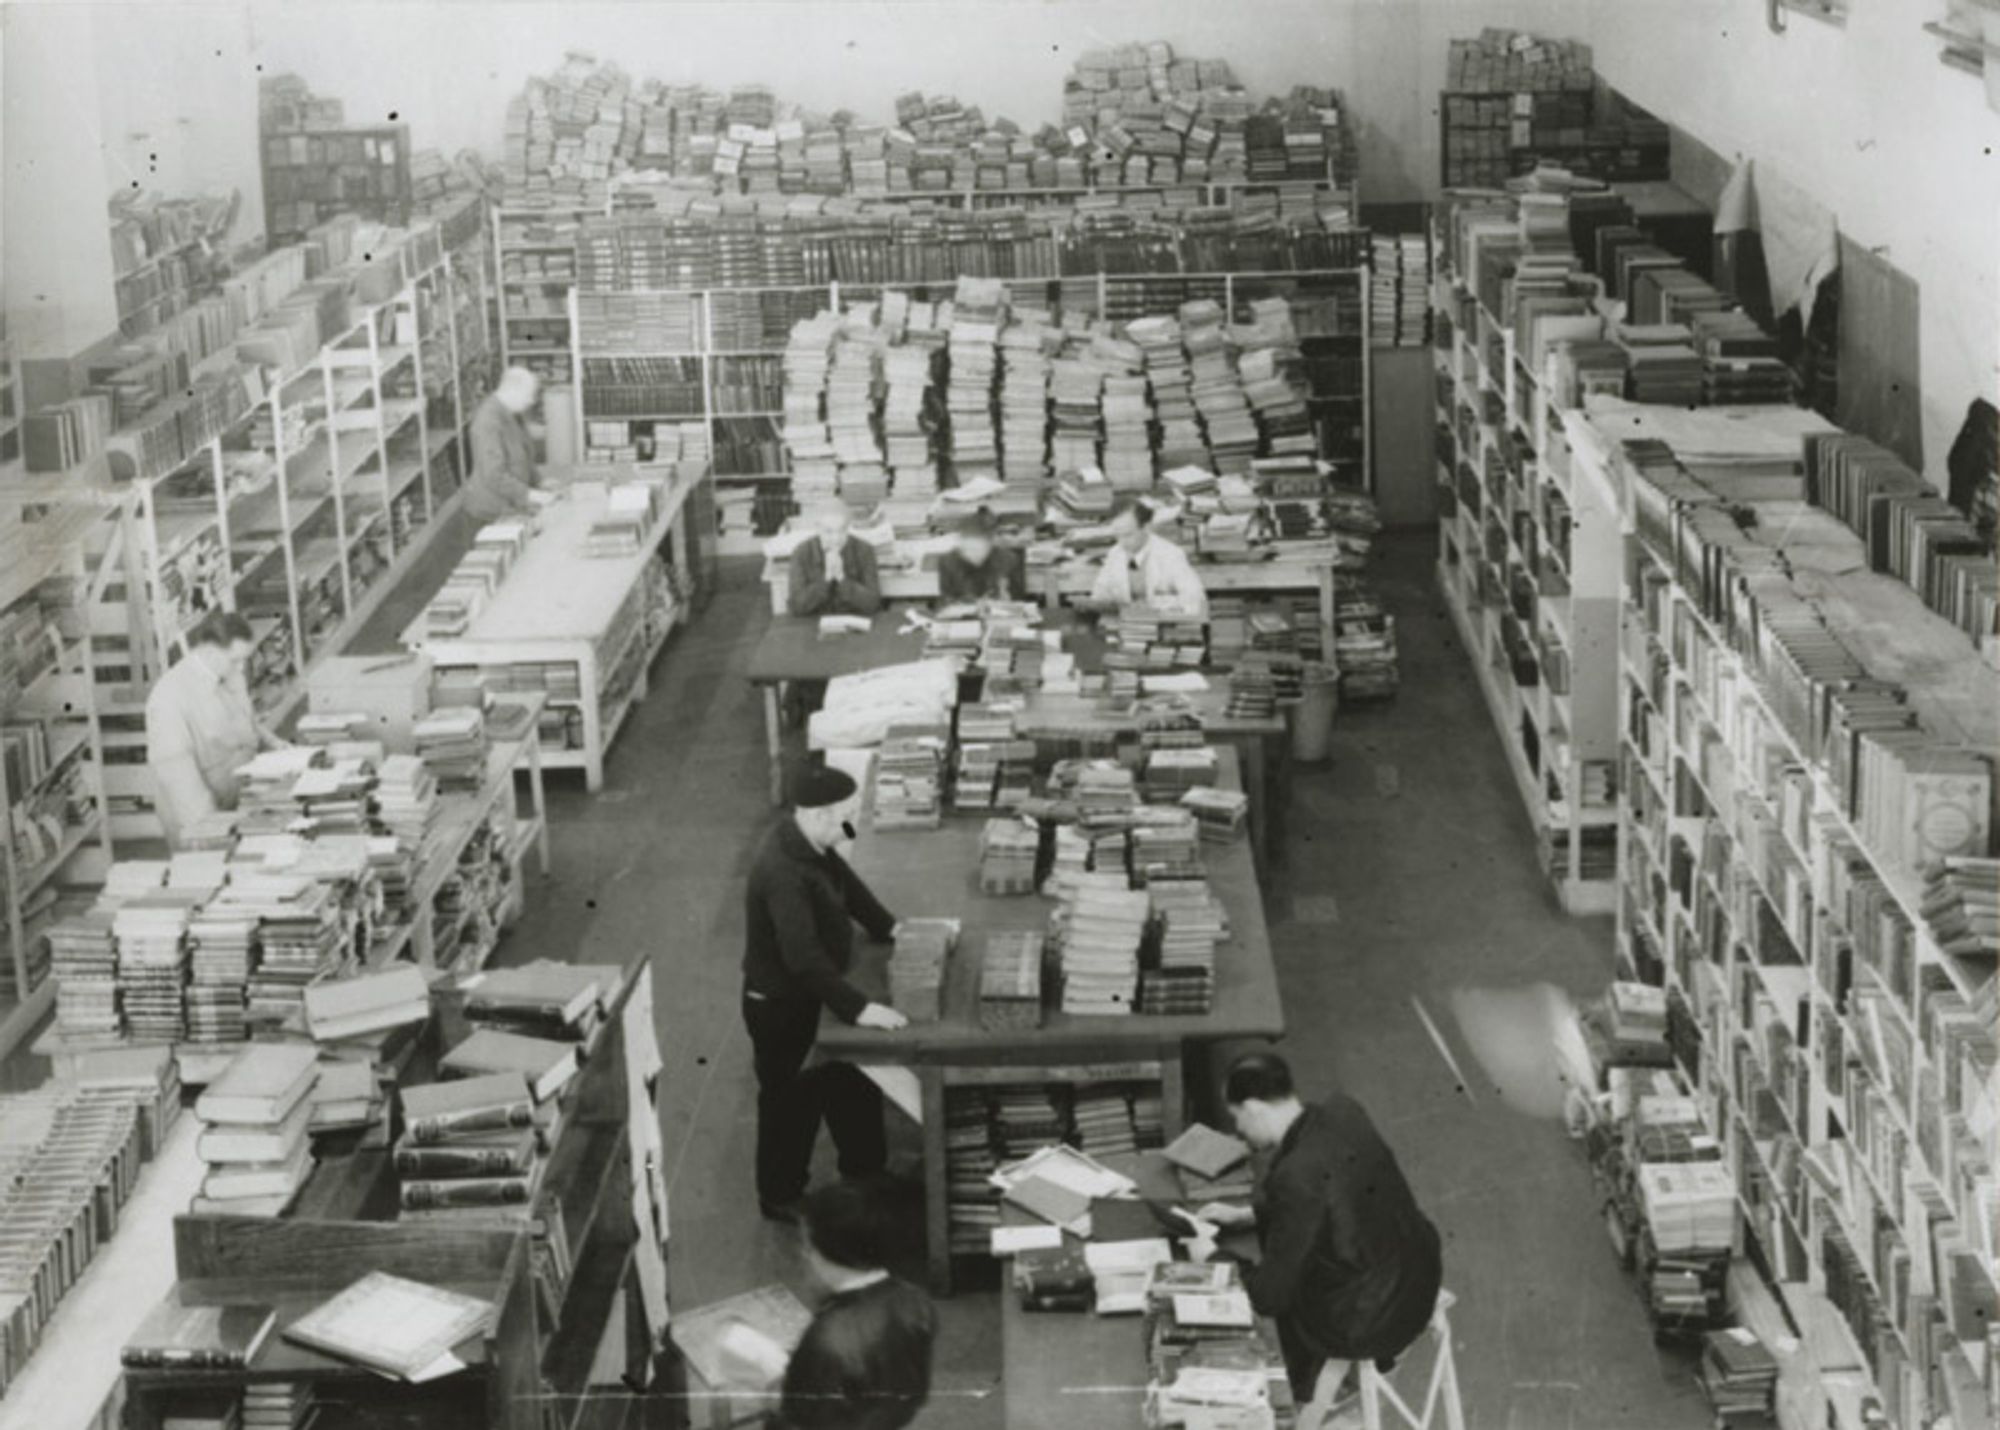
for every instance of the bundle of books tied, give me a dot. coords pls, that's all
(256, 1118)
(917, 967)
(1740, 1377)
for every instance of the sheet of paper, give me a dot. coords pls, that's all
(901, 1087)
(1012, 1240)
(1190, 682)
(652, 1269)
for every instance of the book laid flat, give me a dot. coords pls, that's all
(1206, 1152)
(350, 1007)
(261, 1085)
(546, 1065)
(400, 1328)
(496, 1102)
(1055, 1204)
(252, 1142)
(1222, 1308)
(498, 1154)
(540, 992)
(198, 1337)
(771, 1311)
(228, 1180)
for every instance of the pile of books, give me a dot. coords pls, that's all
(1218, 813)
(978, 313)
(908, 774)
(1171, 773)
(1101, 1121)
(973, 1200)
(1191, 925)
(1163, 639)
(1025, 346)
(1740, 1377)
(221, 940)
(1165, 846)
(1961, 903)
(452, 744)
(1635, 1022)
(83, 959)
(69, 1160)
(1008, 850)
(151, 930)
(1399, 290)
(1103, 924)
(1010, 981)
(918, 965)
(555, 1003)
(254, 1136)
(1211, 1166)
(470, 1147)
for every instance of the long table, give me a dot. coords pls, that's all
(792, 649)
(558, 606)
(919, 873)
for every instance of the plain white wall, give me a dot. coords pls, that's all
(1905, 152)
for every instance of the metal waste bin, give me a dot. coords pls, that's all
(1312, 717)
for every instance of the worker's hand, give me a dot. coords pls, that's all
(1224, 1214)
(881, 1016)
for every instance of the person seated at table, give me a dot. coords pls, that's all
(834, 574)
(977, 570)
(1349, 1266)
(1145, 568)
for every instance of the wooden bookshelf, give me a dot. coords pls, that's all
(1843, 1059)
(312, 174)
(563, 1351)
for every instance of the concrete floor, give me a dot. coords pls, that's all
(1406, 888)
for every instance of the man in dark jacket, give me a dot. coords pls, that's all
(865, 1361)
(835, 574)
(1349, 1267)
(801, 907)
(977, 570)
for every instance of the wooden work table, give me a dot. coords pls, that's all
(934, 873)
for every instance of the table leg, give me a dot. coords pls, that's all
(537, 799)
(1258, 785)
(1173, 1091)
(937, 1190)
(1326, 614)
(774, 741)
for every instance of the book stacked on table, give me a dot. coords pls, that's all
(300, 938)
(83, 959)
(1740, 1377)
(1212, 1166)
(183, 1334)
(151, 930)
(1008, 849)
(473, 1147)
(254, 1136)
(1121, 1272)
(1010, 981)
(148, 1078)
(1181, 980)
(346, 1098)
(452, 744)
(1069, 860)
(546, 1064)
(1163, 639)
(338, 1010)
(1103, 924)
(1166, 846)
(1218, 813)
(1171, 773)
(221, 940)
(908, 776)
(917, 967)
(1053, 1279)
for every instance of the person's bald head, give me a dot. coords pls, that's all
(518, 389)
(832, 520)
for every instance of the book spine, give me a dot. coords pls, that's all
(465, 1192)
(160, 1358)
(443, 1125)
(450, 1161)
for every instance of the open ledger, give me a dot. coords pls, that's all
(398, 1328)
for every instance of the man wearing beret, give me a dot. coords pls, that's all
(801, 908)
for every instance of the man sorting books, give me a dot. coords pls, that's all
(201, 726)
(975, 569)
(865, 1361)
(801, 908)
(1145, 568)
(1349, 1268)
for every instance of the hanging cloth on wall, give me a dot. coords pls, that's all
(1801, 244)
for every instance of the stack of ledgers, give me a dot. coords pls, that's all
(1008, 850)
(1191, 923)
(1102, 922)
(1010, 981)
(918, 967)
(908, 778)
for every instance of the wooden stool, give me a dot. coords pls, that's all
(1441, 1395)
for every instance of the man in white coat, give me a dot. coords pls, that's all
(1146, 568)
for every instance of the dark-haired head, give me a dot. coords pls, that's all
(1262, 1100)
(848, 1226)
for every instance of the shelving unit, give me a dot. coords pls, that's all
(582, 631)
(533, 301)
(302, 515)
(1841, 1056)
(52, 795)
(311, 174)
(707, 416)
(1528, 565)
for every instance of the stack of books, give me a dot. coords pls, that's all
(1103, 924)
(1212, 1166)
(1024, 393)
(1122, 1271)
(83, 959)
(546, 1064)
(469, 1148)
(221, 939)
(909, 768)
(347, 1097)
(1740, 1377)
(254, 1136)
(1166, 846)
(151, 930)
(1010, 981)
(918, 965)
(1171, 773)
(301, 932)
(1181, 980)
(544, 999)
(1636, 1019)
(1008, 850)
(1961, 903)
(452, 744)
(1101, 1118)
(279, 1404)
(974, 1202)
(978, 313)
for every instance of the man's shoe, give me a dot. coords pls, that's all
(785, 1212)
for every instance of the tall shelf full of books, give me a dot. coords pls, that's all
(304, 512)
(1806, 827)
(52, 772)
